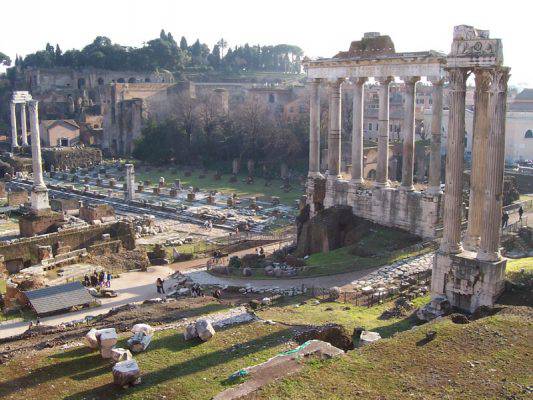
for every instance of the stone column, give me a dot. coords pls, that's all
(24, 131)
(480, 136)
(382, 173)
(130, 182)
(334, 136)
(436, 124)
(314, 129)
(39, 193)
(357, 132)
(14, 139)
(409, 136)
(453, 194)
(489, 248)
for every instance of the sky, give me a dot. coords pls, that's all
(320, 28)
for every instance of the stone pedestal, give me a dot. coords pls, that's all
(31, 224)
(191, 196)
(467, 283)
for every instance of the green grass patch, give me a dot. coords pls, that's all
(241, 188)
(521, 263)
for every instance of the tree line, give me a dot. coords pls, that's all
(198, 134)
(165, 53)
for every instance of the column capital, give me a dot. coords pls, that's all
(436, 80)
(335, 83)
(12, 104)
(457, 78)
(500, 77)
(360, 81)
(410, 80)
(385, 80)
(33, 105)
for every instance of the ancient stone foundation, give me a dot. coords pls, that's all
(31, 224)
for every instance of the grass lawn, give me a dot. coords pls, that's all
(170, 367)
(367, 317)
(485, 359)
(2, 285)
(241, 188)
(520, 263)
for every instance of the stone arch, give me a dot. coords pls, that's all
(147, 80)
(132, 80)
(271, 98)
(100, 81)
(529, 134)
(372, 174)
(81, 83)
(121, 80)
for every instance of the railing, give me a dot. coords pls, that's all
(515, 226)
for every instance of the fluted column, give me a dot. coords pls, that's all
(130, 182)
(409, 136)
(14, 139)
(479, 160)
(453, 195)
(334, 135)
(436, 124)
(24, 130)
(382, 173)
(314, 129)
(489, 248)
(357, 132)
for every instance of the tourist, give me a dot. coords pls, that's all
(257, 252)
(520, 213)
(94, 279)
(210, 225)
(101, 278)
(505, 219)
(262, 252)
(108, 281)
(159, 284)
(86, 280)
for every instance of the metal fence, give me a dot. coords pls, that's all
(515, 226)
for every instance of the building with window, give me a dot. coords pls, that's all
(60, 132)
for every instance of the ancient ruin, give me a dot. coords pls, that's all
(400, 207)
(22, 98)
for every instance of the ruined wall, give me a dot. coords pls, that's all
(17, 197)
(23, 252)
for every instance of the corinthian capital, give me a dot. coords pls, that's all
(457, 78)
(500, 77)
(436, 80)
(385, 80)
(483, 79)
(33, 106)
(410, 80)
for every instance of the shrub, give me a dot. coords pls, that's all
(234, 262)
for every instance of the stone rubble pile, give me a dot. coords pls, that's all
(280, 270)
(399, 275)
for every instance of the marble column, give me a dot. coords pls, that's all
(436, 127)
(357, 132)
(382, 173)
(39, 193)
(489, 248)
(453, 193)
(479, 159)
(14, 139)
(334, 136)
(408, 164)
(314, 129)
(130, 182)
(24, 130)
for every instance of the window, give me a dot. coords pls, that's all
(100, 81)
(529, 134)
(370, 126)
(132, 80)
(302, 109)
(271, 98)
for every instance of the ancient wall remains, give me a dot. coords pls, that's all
(71, 157)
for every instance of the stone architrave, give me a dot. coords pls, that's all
(489, 248)
(382, 173)
(476, 209)
(436, 126)
(39, 192)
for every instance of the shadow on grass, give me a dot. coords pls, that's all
(175, 343)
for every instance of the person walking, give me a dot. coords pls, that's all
(159, 284)
(108, 281)
(520, 213)
(505, 219)
(86, 281)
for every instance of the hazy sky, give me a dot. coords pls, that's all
(321, 28)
